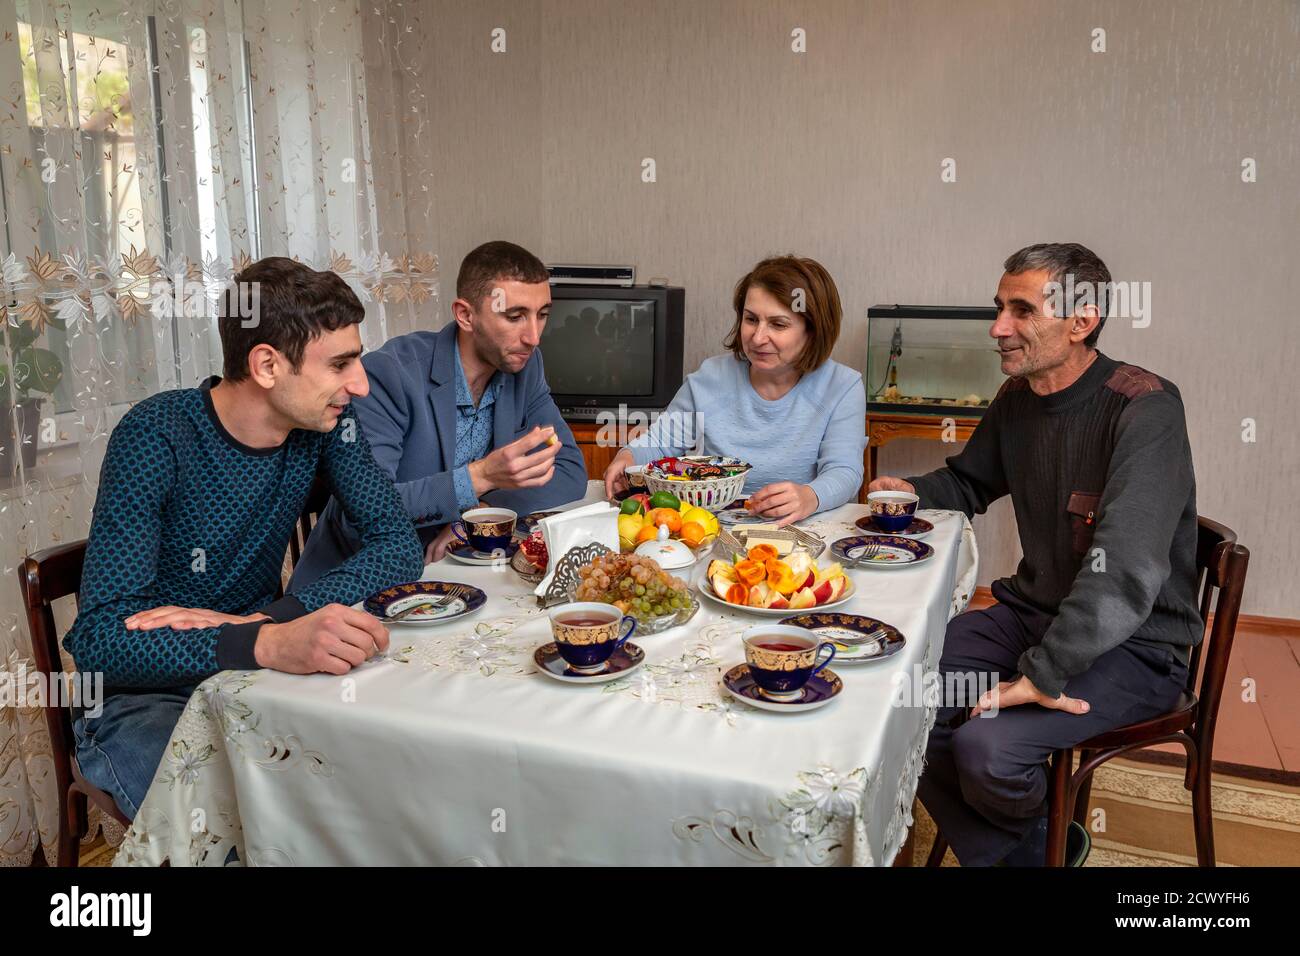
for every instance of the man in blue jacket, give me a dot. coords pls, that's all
(464, 414)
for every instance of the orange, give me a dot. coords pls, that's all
(665, 516)
(692, 533)
(762, 552)
(647, 533)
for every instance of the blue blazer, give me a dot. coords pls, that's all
(409, 418)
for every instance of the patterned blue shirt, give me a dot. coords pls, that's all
(473, 432)
(188, 515)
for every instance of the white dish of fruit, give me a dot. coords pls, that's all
(759, 582)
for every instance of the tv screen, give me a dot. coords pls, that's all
(601, 347)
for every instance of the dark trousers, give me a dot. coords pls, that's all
(985, 782)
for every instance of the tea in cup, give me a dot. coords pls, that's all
(892, 510)
(486, 529)
(587, 632)
(783, 658)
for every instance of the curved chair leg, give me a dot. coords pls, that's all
(937, 851)
(1203, 813)
(1058, 808)
(72, 827)
(1084, 792)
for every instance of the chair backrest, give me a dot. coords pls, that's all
(43, 578)
(1221, 566)
(317, 499)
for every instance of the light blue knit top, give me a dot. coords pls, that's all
(814, 434)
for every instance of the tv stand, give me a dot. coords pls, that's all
(585, 429)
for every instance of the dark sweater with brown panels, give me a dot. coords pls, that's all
(1100, 476)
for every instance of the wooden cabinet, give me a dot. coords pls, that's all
(595, 455)
(884, 427)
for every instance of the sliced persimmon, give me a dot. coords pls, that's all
(751, 572)
(738, 594)
(762, 552)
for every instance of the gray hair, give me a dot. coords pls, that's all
(1086, 273)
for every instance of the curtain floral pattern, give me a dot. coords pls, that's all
(148, 150)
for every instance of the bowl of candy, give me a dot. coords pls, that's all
(638, 586)
(703, 481)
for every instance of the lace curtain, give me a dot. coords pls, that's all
(147, 150)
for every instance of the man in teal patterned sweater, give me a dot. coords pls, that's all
(198, 495)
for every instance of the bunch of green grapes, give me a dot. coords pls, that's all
(634, 584)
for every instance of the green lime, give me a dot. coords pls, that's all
(630, 506)
(665, 499)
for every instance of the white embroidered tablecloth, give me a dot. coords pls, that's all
(453, 750)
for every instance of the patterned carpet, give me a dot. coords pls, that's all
(1150, 822)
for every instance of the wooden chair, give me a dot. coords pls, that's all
(317, 499)
(1221, 565)
(43, 578)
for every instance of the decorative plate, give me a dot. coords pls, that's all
(621, 663)
(465, 599)
(895, 552)
(466, 554)
(917, 530)
(707, 590)
(830, 626)
(818, 692)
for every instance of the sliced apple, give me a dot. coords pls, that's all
(721, 584)
(822, 592)
(838, 587)
(800, 563)
(779, 601)
(830, 571)
(759, 594)
(725, 568)
(802, 599)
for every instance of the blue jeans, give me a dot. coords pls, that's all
(119, 751)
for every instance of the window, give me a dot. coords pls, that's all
(122, 114)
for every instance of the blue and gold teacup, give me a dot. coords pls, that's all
(486, 529)
(587, 632)
(783, 658)
(892, 510)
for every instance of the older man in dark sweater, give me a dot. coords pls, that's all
(1095, 628)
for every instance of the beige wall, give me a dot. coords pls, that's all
(836, 153)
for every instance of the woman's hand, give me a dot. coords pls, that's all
(615, 477)
(785, 501)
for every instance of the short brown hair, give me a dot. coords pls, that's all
(492, 262)
(783, 276)
(283, 304)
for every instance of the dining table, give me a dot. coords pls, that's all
(450, 748)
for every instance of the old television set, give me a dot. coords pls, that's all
(606, 346)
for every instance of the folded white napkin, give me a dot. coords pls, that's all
(597, 522)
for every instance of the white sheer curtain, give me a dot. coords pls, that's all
(147, 149)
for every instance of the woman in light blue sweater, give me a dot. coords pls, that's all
(777, 401)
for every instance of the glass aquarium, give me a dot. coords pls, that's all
(931, 359)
